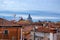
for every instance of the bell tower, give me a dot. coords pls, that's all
(29, 18)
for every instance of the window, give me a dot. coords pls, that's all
(25, 39)
(6, 32)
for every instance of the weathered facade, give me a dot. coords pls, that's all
(11, 30)
(9, 33)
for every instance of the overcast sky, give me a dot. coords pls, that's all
(39, 5)
(20, 5)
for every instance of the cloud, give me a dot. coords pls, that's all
(33, 17)
(44, 17)
(18, 5)
(6, 15)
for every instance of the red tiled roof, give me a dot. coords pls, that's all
(46, 29)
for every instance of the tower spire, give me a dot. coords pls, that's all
(29, 18)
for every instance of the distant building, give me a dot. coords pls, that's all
(21, 19)
(29, 18)
(10, 30)
(43, 33)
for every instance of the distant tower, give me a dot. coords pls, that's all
(14, 16)
(29, 18)
(21, 18)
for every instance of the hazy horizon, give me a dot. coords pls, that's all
(36, 15)
(39, 9)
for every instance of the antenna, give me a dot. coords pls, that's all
(14, 16)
